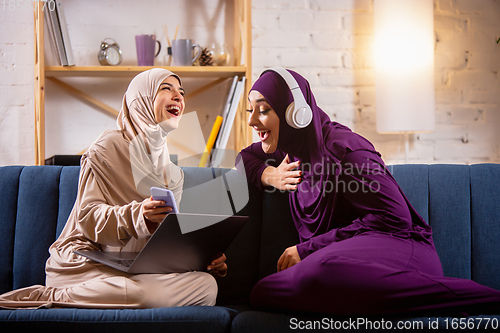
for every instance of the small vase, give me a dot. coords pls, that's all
(220, 54)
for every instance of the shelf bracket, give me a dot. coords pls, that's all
(204, 88)
(85, 97)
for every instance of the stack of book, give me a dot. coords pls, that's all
(58, 34)
(221, 130)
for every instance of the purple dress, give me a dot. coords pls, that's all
(364, 249)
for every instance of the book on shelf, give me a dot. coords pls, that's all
(230, 97)
(55, 36)
(65, 34)
(226, 109)
(51, 58)
(234, 101)
(58, 35)
(211, 141)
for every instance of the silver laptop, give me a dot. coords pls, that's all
(183, 242)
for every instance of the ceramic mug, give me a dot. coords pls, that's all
(182, 52)
(145, 45)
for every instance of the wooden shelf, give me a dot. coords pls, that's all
(130, 71)
(243, 50)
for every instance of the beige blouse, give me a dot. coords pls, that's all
(116, 174)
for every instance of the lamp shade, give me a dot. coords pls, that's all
(404, 65)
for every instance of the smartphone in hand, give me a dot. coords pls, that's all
(166, 195)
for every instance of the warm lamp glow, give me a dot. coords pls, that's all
(404, 65)
(401, 51)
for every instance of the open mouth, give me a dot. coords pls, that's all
(174, 110)
(263, 135)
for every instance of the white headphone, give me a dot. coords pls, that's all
(298, 114)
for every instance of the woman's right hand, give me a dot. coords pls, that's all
(283, 177)
(154, 212)
(289, 258)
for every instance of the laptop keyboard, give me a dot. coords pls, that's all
(123, 262)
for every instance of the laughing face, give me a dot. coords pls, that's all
(264, 121)
(169, 104)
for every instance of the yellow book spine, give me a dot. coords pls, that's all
(211, 141)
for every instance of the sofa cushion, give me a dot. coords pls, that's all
(68, 188)
(9, 187)
(450, 217)
(178, 319)
(278, 230)
(441, 195)
(485, 205)
(35, 223)
(414, 181)
(243, 256)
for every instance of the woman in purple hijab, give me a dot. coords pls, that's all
(363, 248)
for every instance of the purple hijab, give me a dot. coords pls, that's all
(320, 147)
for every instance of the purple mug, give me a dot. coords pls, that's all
(145, 45)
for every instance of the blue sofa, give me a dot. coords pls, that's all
(460, 202)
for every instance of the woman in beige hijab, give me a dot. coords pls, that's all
(113, 212)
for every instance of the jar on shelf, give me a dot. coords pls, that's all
(220, 54)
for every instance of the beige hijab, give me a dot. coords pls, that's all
(149, 156)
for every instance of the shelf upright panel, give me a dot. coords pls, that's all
(39, 85)
(243, 51)
(247, 41)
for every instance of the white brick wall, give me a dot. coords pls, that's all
(338, 63)
(327, 41)
(467, 82)
(16, 87)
